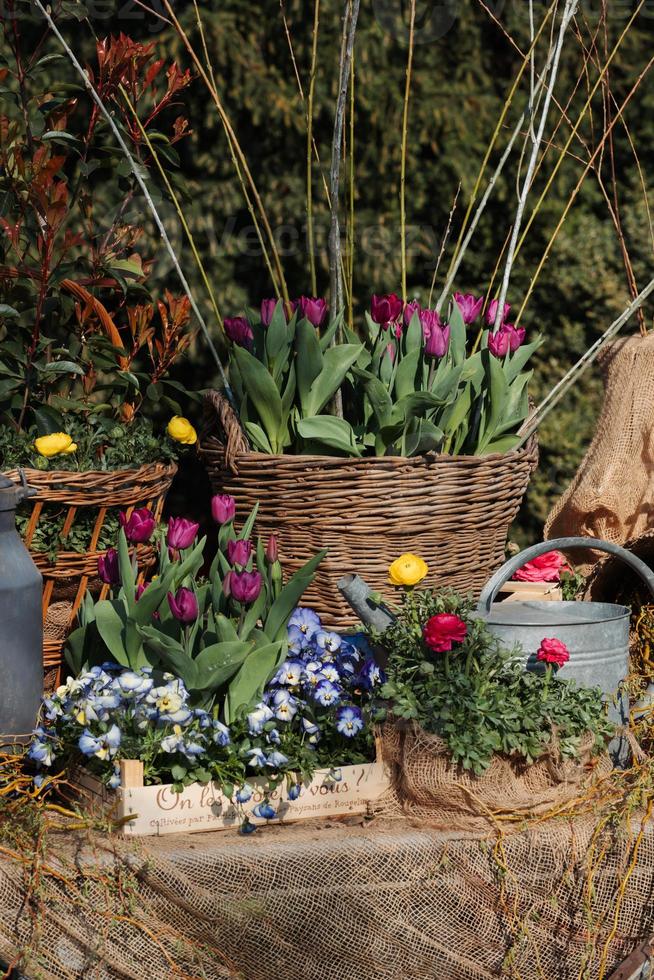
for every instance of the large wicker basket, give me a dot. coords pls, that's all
(453, 511)
(70, 574)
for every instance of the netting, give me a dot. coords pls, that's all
(379, 902)
(612, 494)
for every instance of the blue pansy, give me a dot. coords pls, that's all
(244, 793)
(329, 642)
(371, 675)
(103, 746)
(39, 780)
(133, 684)
(256, 757)
(42, 748)
(276, 759)
(306, 620)
(284, 705)
(273, 737)
(221, 733)
(247, 827)
(349, 720)
(114, 780)
(264, 811)
(310, 727)
(330, 673)
(203, 718)
(327, 694)
(258, 718)
(290, 673)
(294, 791)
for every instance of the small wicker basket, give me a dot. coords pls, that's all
(453, 511)
(70, 575)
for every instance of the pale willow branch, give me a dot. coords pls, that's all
(146, 193)
(560, 389)
(568, 13)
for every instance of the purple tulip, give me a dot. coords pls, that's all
(385, 310)
(238, 552)
(507, 338)
(491, 313)
(108, 567)
(272, 550)
(435, 332)
(242, 586)
(313, 309)
(267, 309)
(239, 331)
(409, 310)
(181, 533)
(184, 605)
(139, 526)
(223, 508)
(469, 306)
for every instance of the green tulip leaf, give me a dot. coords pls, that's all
(405, 377)
(246, 688)
(327, 430)
(289, 597)
(262, 392)
(308, 364)
(457, 335)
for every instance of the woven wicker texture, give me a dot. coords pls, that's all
(383, 902)
(611, 495)
(70, 575)
(453, 511)
(425, 784)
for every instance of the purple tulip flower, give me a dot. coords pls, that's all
(242, 586)
(184, 605)
(491, 313)
(139, 526)
(181, 533)
(409, 310)
(223, 508)
(267, 309)
(469, 306)
(238, 552)
(435, 332)
(272, 550)
(108, 567)
(239, 331)
(385, 310)
(507, 338)
(313, 309)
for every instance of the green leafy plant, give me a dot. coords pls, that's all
(478, 697)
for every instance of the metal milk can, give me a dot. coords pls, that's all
(595, 633)
(21, 624)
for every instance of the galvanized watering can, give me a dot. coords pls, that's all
(595, 633)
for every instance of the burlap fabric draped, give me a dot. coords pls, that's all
(612, 494)
(376, 902)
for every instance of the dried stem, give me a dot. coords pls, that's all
(143, 186)
(444, 242)
(568, 13)
(405, 127)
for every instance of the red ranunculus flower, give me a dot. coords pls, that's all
(545, 568)
(443, 630)
(552, 651)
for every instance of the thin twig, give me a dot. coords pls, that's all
(143, 186)
(405, 127)
(312, 86)
(444, 242)
(568, 13)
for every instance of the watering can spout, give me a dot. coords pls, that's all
(364, 603)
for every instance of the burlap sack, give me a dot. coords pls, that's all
(428, 786)
(612, 493)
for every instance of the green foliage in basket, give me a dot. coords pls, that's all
(223, 635)
(48, 538)
(409, 384)
(477, 695)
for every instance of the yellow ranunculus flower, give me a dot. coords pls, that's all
(181, 430)
(54, 444)
(407, 570)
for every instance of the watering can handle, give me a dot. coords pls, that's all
(510, 567)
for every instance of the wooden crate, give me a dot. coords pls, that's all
(524, 591)
(157, 810)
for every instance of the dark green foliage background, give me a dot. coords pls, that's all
(460, 82)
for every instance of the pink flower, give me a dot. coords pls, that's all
(239, 331)
(552, 651)
(238, 552)
(184, 605)
(139, 526)
(108, 567)
(435, 332)
(507, 338)
(223, 508)
(314, 310)
(469, 306)
(267, 310)
(545, 568)
(409, 310)
(491, 312)
(442, 631)
(242, 586)
(386, 309)
(272, 550)
(181, 533)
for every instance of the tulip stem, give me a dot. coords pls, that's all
(312, 85)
